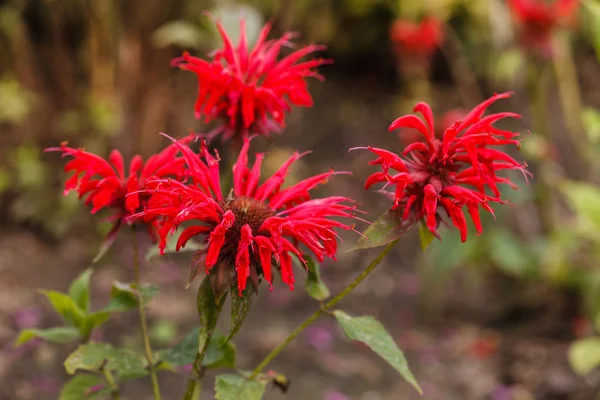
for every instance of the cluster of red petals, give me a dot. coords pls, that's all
(255, 223)
(448, 173)
(417, 39)
(251, 90)
(538, 19)
(104, 183)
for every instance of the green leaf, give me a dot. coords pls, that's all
(314, 285)
(93, 357)
(93, 321)
(154, 252)
(585, 200)
(510, 255)
(84, 387)
(387, 228)
(179, 33)
(80, 290)
(124, 296)
(64, 305)
(584, 355)
(61, 334)
(209, 311)
(240, 305)
(593, 9)
(370, 332)
(218, 354)
(591, 120)
(236, 387)
(425, 235)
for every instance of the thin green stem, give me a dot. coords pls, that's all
(324, 309)
(569, 92)
(538, 92)
(209, 311)
(112, 384)
(143, 323)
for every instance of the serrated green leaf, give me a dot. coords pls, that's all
(236, 387)
(584, 355)
(314, 285)
(209, 311)
(84, 387)
(425, 235)
(94, 356)
(61, 334)
(79, 290)
(372, 333)
(240, 305)
(65, 306)
(124, 296)
(218, 354)
(154, 252)
(384, 230)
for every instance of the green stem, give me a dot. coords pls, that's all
(570, 98)
(143, 323)
(112, 384)
(209, 315)
(324, 309)
(538, 92)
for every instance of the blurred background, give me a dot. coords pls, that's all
(512, 314)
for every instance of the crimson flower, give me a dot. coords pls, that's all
(448, 173)
(251, 90)
(254, 224)
(539, 18)
(417, 39)
(106, 186)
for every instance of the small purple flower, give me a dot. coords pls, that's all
(335, 395)
(319, 337)
(502, 392)
(28, 318)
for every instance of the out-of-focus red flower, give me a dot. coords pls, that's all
(539, 18)
(106, 185)
(417, 39)
(252, 225)
(450, 172)
(251, 91)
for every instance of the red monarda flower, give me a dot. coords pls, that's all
(417, 39)
(539, 18)
(251, 90)
(449, 172)
(106, 185)
(252, 225)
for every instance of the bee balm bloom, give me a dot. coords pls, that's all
(106, 185)
(539, 18)
(417, 39)
(251, 90)
(445, 175)
(251, 226)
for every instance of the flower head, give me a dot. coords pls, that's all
(106, 185)
(251, 226)
(417, 39)
(539, 18)
(251, 90)
(457, 170)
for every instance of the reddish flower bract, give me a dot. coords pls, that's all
(450, 172)
(251, 90)
(106, 185)
(417, 39)
(254, 223)
(539, 18)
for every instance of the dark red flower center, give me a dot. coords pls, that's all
(247, 211)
